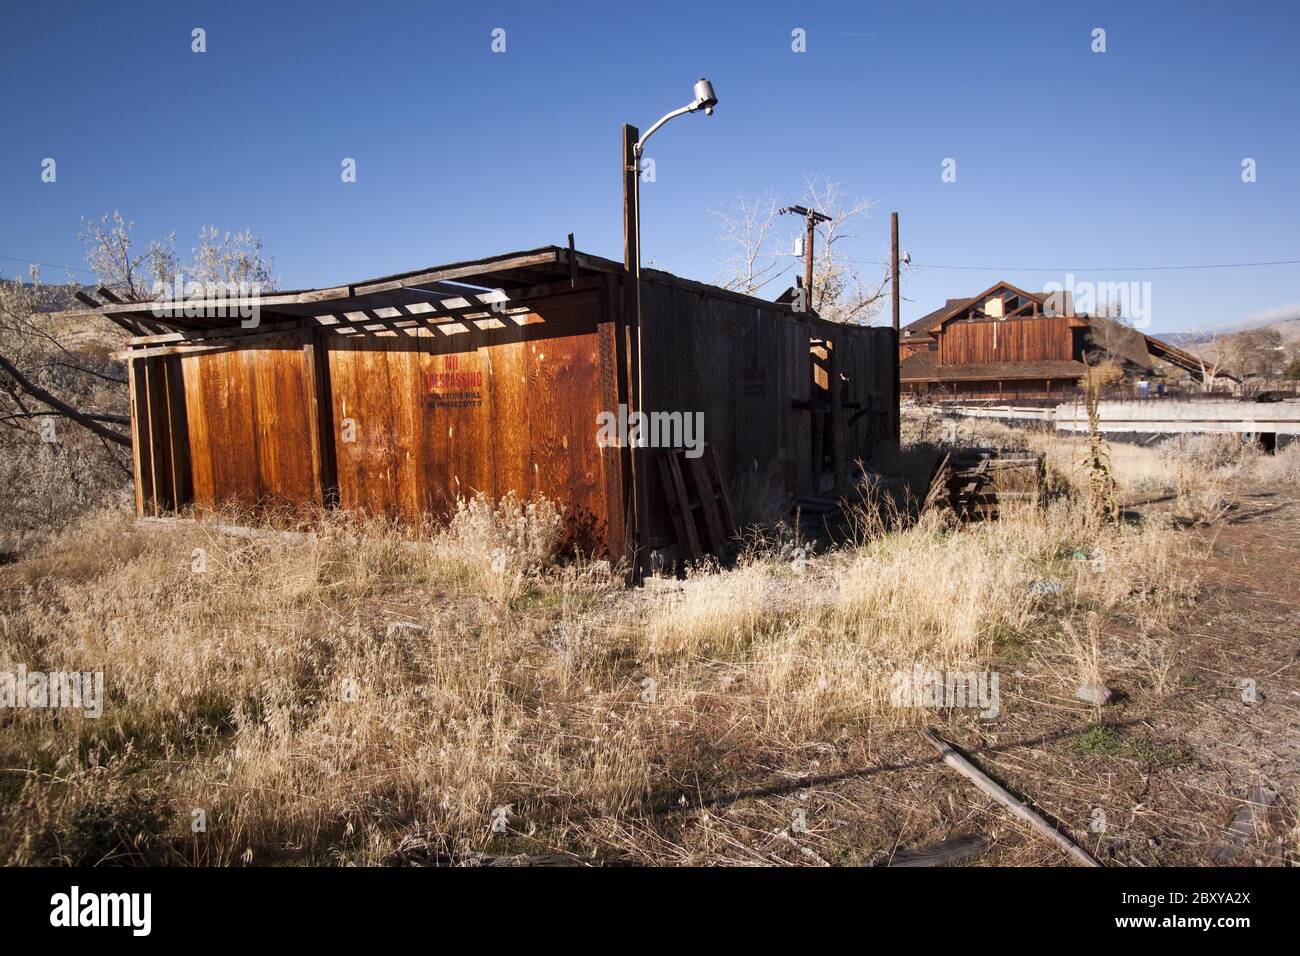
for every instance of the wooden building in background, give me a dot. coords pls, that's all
(1003, 343)
(396, 395)
(1007, 344)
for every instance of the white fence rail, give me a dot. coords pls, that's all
(1153, 415)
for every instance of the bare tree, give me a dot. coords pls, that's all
(747, 230)
(219, 257)
(48, 470)
(231, 257)
(58, 368)
(110, 254)
(1210, 369)
(840, 293)
(751, 230)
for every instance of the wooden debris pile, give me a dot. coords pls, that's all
(974, 482)
(699, 502)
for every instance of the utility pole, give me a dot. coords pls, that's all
(893, 255)
(898, 347)
(811, 218)
(630, 171)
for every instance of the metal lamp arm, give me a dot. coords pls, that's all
(640, 143)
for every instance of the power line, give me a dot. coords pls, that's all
(914, 265)
(1216, 265)
(50, 265)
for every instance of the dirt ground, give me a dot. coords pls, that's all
(1153, 779)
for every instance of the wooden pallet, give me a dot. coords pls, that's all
(964, 481)
(699, 503)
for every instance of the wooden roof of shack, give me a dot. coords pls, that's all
(477, 289)
(453, 289)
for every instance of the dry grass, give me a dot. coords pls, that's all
(317, 699)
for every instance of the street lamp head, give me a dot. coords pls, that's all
(705, 98)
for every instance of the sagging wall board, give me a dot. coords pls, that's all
(250, 418)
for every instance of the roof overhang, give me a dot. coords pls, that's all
(999, 372)
(438, 290)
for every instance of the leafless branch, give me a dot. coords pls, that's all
(73, 414)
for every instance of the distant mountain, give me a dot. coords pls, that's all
(1184, 339)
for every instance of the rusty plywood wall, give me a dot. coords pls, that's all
(394, 422)
(251, 422)
(421, 417)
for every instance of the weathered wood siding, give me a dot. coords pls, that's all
(1008, 340)
(749, 368)
(402, 421)
(251, 421)
(421, 417)
(871, 413)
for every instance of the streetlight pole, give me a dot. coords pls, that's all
(633, 147)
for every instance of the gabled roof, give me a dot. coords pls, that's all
(954, 307)
(926, 322)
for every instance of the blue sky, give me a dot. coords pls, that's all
(1065, 158)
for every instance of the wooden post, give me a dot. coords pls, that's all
(893, 255)
(808, 258)
(637, 534)
(630, 232)
(898, 356)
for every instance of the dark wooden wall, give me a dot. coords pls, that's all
(1006, 340)
(159, 436)
(749, 368)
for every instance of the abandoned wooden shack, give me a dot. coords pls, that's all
(396, 395)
